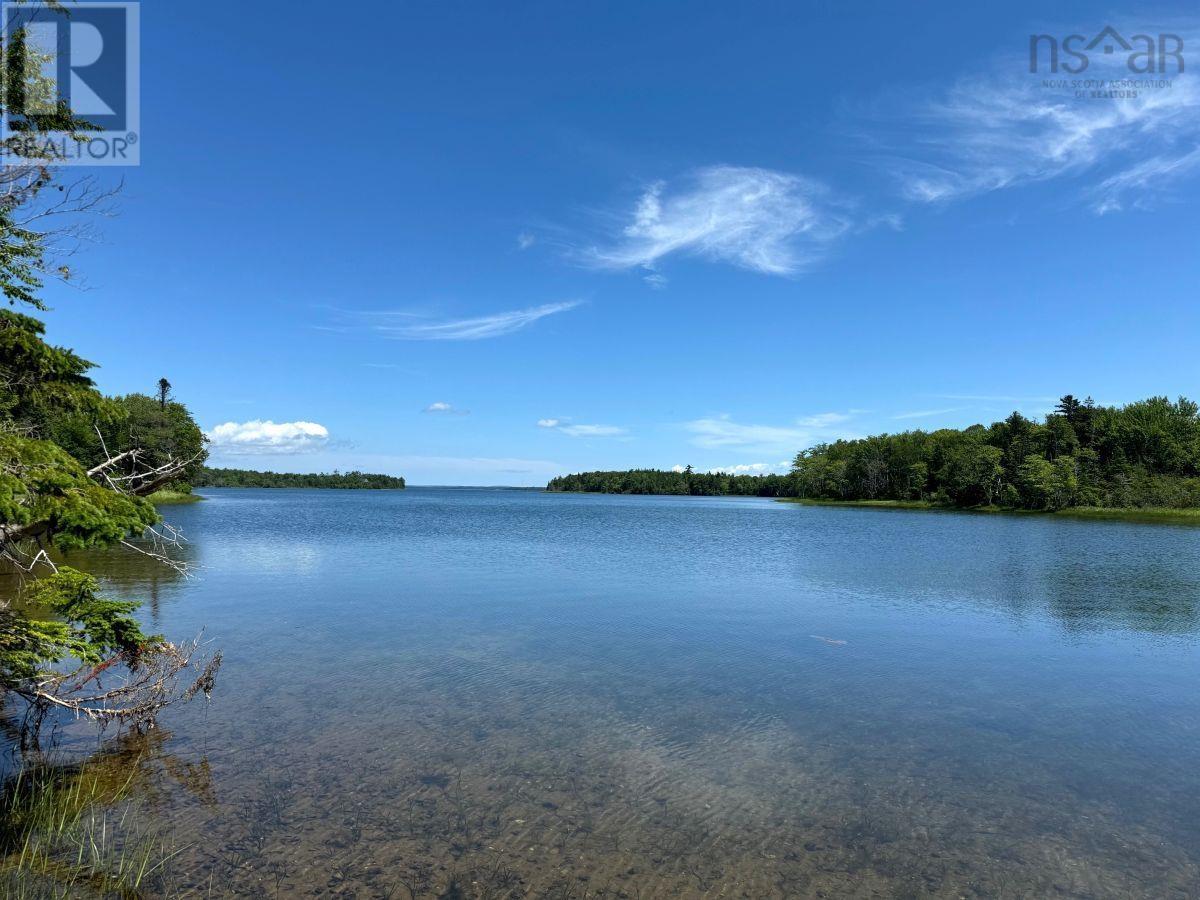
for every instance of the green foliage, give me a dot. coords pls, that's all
(41, 483)
(1143, 455)
(51, 415)
(162, 431)
(21, 260)
(1146, 454)
(251, 479)
(41, 385)
(657, 481)
(85, 626)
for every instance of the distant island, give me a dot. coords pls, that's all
(248, 478)
(1140, 457)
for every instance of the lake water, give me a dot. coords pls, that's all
(486, 693)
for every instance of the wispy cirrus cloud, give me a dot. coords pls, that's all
(1008, 128)
(402, 325)
(997, 398)
(267, 437)
(722, 433)
(579, 430)
(758, 219)
(1139, 185)
(927, 413)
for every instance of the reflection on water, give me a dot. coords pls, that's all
(491, 694)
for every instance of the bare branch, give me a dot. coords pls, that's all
(146, 682)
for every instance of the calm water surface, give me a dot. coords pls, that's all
(473, 693)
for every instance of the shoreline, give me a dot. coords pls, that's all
(1149, 514)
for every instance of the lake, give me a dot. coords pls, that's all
(490, 693)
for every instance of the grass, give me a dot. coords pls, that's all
(1149, 514)
(166, 498)
(882, 504)
(1135, 514)
(67, 832)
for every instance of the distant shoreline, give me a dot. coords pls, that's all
(250, 478)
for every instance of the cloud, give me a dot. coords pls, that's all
(406, 326)
(593, 430)
(822, 420)
(566, 427)
(758, 219)
(926, 413)
(1137, 185)
(525, 240)
(743, 469)
(998, 398)
(445, 409)
(722, 432)
(1007, 128)
(267, 437)
(656, 281)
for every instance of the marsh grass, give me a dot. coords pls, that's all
(68, 831)
(169, 498)
(1146, 514)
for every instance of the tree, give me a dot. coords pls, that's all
(1069, 408)
(972, 473)
(164, 392)
(48, 497)
(1035, 482)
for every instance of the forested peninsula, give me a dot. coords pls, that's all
(247, 478)
(1145, 455)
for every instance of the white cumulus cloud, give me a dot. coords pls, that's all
(444, 408)
(264, 437)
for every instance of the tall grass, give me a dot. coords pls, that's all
(68, 831)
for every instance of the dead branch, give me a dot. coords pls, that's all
(112, 461)
(147, 682)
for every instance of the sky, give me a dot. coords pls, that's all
(479, 243)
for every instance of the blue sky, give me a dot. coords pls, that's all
(485, 244)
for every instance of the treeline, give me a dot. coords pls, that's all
(1146, 454)
(687, 482)
(247, 478)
